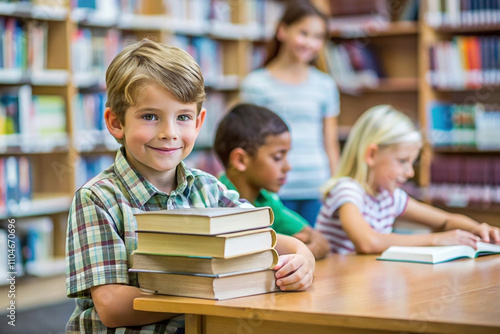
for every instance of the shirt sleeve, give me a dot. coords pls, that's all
(95, 252)
(231, 198)
(332, 100)
(401, 201)
(253, 89)
(286, 221)
(345, 191)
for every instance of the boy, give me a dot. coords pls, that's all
(252, 142)
(154, 109)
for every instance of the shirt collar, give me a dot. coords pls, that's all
(230, 186)
(225, 180)
(140, 189)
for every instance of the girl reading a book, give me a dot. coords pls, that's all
(363, 198)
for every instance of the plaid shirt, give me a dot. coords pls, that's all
(101, 233)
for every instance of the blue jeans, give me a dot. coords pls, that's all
(307, 208)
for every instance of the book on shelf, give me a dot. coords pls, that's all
(3, 188)
(210, 221)
(462, 13)
(437, 254)
(208, 286)
(464, 62)
(461, 180)
(221, 245)
(205, 265)
(18, 176)
(454, 124)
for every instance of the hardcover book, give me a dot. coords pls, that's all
(208, 286)
(205, 265)
(221, 245)
(208, 221)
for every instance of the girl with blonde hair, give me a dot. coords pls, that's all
(363, 198)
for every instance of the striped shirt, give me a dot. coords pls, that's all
(303, 107)
(380, 212)
(101, 233)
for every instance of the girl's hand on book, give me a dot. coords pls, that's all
(294, 272)
(455, 237)
(488, 233)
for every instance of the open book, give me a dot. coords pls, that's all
(437, 254)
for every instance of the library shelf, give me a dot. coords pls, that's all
(454, 40)
(33, 11)
(468, 149)
(40, 205)
(394, 85)
(378, 29)
(385, 70)
(468, 29)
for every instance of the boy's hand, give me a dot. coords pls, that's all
(294, 273)
(455, 237)
(488, 233)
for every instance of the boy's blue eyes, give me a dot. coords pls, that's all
(184, 118)
(150, 117)
(153, 117)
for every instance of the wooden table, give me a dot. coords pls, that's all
(358, 294)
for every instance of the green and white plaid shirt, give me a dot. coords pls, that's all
(101, 233)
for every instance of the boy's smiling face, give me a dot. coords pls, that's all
(159, 132)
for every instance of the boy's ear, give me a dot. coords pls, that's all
(113, 124)
(200, 119)
(371, 154)
(238, 159)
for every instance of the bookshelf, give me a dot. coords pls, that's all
(458, 107)
(415, 65)
(372, 53)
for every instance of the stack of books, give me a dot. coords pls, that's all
(212, 253)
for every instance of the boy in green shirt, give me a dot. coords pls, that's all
(252, 142)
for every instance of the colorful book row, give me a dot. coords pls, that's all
(455, 13)
(34, 247)
(464, 125)
(192, 17)
(90, 166)
(465, 62)
(462, 180)
(31, 122)
(89, 130)
(16, 180)
(353, 65)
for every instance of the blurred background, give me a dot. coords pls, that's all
(436, 61)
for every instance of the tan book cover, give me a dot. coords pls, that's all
(210, 221)
(221, 245)
(209, 287)
(205, 265)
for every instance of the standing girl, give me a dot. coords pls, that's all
(364, 196)
(306, 99)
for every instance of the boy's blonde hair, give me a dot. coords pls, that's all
(146, 62)
(381, 125)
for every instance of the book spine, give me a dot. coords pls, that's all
(462, 181)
